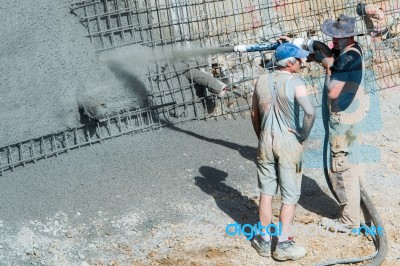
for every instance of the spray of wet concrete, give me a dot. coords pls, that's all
(167, 76)
(184, 53)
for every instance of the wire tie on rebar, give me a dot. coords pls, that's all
(10, 160)
(42, 148)
(53, 145)
(66, 146)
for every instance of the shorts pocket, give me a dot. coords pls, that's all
(339, 151)
(261, 154)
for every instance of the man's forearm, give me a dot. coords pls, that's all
(255, 115)
(328, 78)
(327, 62)
(308, 122)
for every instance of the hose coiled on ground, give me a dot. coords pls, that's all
(380, 241)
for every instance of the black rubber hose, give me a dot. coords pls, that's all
(317, 46)
(322, 47)
(326, 153)
(380, 241)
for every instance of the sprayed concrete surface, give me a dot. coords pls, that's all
(47, 72)
(157, 198)
(164, 198)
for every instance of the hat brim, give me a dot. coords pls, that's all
(302, 53)
(327, 28)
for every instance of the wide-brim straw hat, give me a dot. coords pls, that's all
(344, 26)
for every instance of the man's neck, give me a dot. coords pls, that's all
(285, 69)
(350, 43)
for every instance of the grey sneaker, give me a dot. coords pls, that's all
(263, 247)
(288, 250)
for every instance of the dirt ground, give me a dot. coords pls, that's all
(165, 198)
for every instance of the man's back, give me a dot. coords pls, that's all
(279, 111)
(276, 101)
(279, 153)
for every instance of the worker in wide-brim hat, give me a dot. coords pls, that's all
(347, 108)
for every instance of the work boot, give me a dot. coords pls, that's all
(263, 247)
(288, 250)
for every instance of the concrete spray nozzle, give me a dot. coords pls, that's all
(304, 44)
(300, 42)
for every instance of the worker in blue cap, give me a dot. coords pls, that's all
(279, 154)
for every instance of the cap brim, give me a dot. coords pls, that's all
(302, 54)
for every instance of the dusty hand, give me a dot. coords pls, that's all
(284, 38)
(294, 131)
(327, 62)
(376, 12)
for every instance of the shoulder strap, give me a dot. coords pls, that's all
(360, 51)
(272, 88)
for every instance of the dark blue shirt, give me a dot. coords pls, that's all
(347, 68)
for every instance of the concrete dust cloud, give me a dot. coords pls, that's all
(193, 52)
(129, 66)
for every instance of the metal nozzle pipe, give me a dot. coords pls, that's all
(256, 47)
(308, 45)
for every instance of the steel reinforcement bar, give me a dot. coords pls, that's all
(125, 122)
(90, 133)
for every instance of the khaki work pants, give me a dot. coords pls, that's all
(347, 171)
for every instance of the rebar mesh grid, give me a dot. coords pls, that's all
(177, 24)
(133, 121)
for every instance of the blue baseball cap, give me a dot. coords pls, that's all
(287, 50)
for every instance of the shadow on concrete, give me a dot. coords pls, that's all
(246, 152)
(312, 198)
(241, 209)
(315, 200)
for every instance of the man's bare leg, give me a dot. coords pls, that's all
(286, 218)
(262, 242)
(286, 248)
(265, 212)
